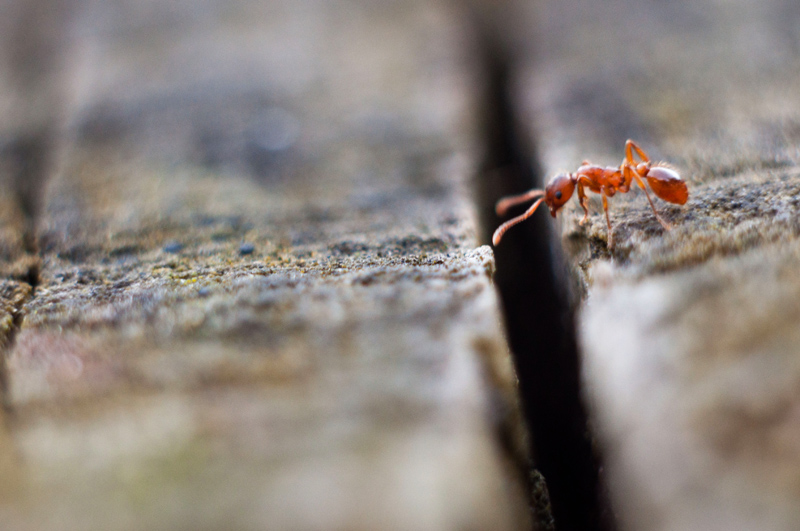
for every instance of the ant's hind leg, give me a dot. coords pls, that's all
(630, 175)
(631, 146)
(608, 223)
(664, 224)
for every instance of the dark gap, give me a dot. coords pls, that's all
(17, 317)
(29, 161)
(540, 324)
(38, 47)
(8, 343)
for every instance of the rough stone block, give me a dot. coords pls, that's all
(261, 301)
(689, 337)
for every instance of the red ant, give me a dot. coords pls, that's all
(665, 182)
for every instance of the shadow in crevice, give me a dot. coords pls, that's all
(28, 161)
(36, 46)
(540, 327)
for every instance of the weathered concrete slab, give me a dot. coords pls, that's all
(689, 336)
(260, 303)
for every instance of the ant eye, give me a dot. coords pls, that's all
(558, 194)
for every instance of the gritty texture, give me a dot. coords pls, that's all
(689, 336)
(261, 302)
(708, 419)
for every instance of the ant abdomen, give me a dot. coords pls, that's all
(667, 184)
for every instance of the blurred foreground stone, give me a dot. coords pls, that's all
(260, 303)
(691, 338)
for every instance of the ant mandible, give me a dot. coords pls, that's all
(665, 182)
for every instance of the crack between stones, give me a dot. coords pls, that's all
(31, 157)
(531, 279)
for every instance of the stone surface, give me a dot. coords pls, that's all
(261, 302)
(689, 336)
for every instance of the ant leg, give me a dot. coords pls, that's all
(507, 202)
(629, 173)
(631, 145)
(664, 224)
(498, 234)
(608, 222)
(582, 202)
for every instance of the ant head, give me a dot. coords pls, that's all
(558, 191)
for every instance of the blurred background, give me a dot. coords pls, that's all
(255, 226)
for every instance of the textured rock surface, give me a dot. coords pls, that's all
(260, 302)
(690, 337)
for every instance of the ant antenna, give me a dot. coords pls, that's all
(504, 204)
(498, 234)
